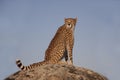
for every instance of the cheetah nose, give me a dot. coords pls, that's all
(69, 24)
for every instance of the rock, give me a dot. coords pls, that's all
(57, 72)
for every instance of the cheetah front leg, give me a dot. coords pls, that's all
(65, 56)
(69, 52)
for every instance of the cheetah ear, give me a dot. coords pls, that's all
(76, 19)
(65, 20)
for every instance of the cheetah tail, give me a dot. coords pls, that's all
(20, 65)
(31, 66)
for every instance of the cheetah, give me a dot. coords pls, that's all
(61, 46)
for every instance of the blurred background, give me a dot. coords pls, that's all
(27, 27)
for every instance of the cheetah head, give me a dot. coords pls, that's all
(70, 22)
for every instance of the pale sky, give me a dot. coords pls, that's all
(27, 27)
